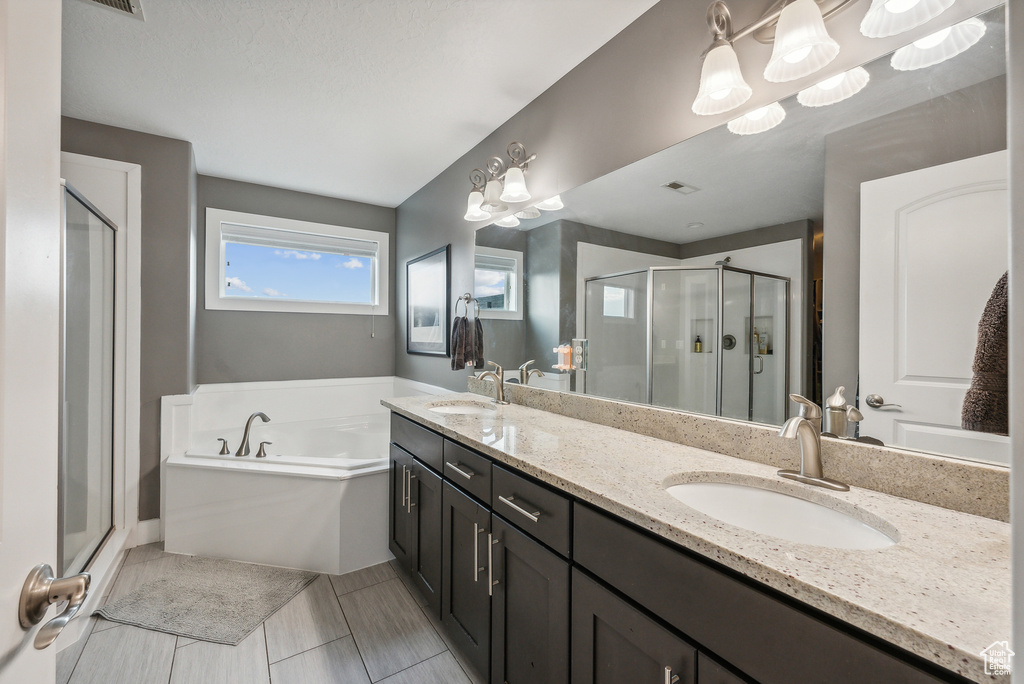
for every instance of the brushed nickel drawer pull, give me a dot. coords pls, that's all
(457, 469)
(535, 516)
(669, 677)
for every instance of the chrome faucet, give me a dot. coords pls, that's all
(525, 375)
(806, 427)
(498, 375)
(243, 448)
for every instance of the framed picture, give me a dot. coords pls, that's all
(428, 299)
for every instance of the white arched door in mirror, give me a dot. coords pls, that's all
(933, 245)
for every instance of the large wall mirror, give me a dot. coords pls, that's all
(697, 276)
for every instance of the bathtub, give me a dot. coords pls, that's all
(318, 501)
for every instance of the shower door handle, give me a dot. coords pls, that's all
(42, 589)
(760, 365)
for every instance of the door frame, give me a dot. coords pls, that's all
(127, 531)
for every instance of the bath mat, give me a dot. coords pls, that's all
(209, 599)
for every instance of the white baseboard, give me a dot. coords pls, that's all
(148, 531)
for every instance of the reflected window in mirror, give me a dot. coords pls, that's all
(498, 283)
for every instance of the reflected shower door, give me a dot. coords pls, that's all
(737, 337)
(87, 387)
(616, 327)
(769, 395)
(685, 308)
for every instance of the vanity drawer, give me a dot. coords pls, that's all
(468, 470)
(540, 512)
(765, 637)
(425, 445)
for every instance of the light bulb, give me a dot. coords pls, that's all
(900, 6)
(721, 83)
(802, 45)
(891, 17)
(835, 89)
(928, 42)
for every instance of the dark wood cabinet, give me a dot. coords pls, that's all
(613, 642)
(465, 589)
(400, 532)
(529, 610)
(425, 506)
(710, 671)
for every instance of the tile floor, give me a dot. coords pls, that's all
(360, 628)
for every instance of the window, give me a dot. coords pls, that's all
(498, 283)
(618, 302)
(263, 263)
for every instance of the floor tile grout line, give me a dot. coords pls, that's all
(411, 666)
(307, 650)
(458, 661)
(79, 658)
(372, 584)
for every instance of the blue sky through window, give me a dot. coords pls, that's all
(281, 273)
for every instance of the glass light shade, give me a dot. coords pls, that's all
(508, 222)
(492, 198)
(892, 17)
(721, 84)
(553, 204)
(473, 210)
(802, 45)
(759, 120)
(515, 186)
(835, 89)
(939, 46)
(528, 213)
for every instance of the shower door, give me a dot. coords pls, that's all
(615, 324)
(86, 441)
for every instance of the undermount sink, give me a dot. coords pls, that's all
(461, 408)
(780, 515)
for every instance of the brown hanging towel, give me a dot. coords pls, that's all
(986, 405)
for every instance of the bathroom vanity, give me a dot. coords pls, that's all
(551, 551)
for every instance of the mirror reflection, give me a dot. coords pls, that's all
(847, 254)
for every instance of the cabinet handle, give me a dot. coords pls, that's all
(535, 516)
(463, 473)
(405, 490)
(490, 564)
(669, 677)
(410, 504)
(476, 551)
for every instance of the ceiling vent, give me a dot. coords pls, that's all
(681, 188)
(130, 7)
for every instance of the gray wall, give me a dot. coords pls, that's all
(964, 124)
(628, 100)
(168, 230)
(242, 346)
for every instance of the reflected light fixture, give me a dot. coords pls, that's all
(528, 213)
(476, 197)
(553, 204)
(802, 46)
(509, 221)
(835, 89)
(499, 184)
(939, 46)
(891, 17)
(759, 120)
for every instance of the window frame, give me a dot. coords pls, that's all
(215, 277)
(500, 314)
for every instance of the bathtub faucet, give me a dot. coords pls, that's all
(243, 448)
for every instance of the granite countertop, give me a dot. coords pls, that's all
(942, 592)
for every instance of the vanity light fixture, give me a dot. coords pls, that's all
(499, 184)
(835, 89)
(759, 120)
(509, 221)
(939, 46)
(553, 204)
(891, 17)
(528, 213)
(802, 46)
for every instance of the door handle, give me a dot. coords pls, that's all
(876, 401)
(760, 367)
(40, 590)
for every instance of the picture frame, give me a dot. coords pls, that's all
(428, 300)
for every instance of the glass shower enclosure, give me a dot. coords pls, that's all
(708, 340)
(86, 440)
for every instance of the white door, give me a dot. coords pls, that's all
(933, 245)
(30, 197)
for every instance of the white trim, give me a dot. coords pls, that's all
(517, 313)
(149, 531)
(215, 277)
(127, 346)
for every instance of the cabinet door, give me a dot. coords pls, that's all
(529, 610)
(466, 599)
(613, 642)
(710, 671)
(425, 491)
(400, 529)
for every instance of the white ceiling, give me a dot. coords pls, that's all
(361, 99)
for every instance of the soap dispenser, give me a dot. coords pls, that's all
(838, 415)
